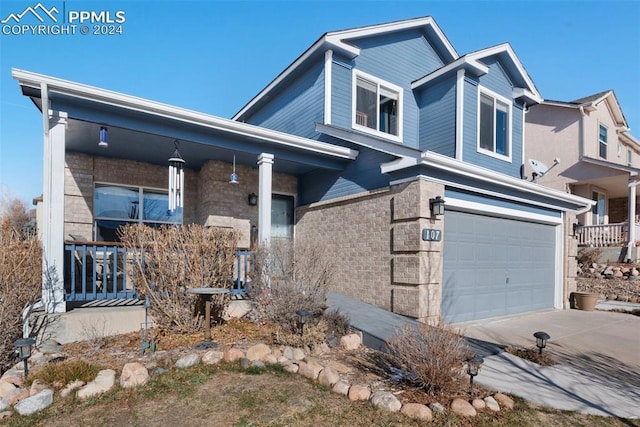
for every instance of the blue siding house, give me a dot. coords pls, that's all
(427, 123)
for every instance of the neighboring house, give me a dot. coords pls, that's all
(355, 143)
(597, 158)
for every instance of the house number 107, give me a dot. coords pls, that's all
(431, 235)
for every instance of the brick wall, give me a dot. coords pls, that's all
(207, 192)
(376, 240)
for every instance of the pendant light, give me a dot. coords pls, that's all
(233, 179)
(176, 180)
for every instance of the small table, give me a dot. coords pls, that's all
(207, 293)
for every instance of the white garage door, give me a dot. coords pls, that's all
(495, 267)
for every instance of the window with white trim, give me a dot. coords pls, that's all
(494, 124)
(115, 206)
(629, 157)
(602, 141)
(377, 106)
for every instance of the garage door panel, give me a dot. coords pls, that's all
(495, 266)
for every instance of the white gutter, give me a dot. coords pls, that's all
(172, 112)
(449, 164)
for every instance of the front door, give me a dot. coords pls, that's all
(599, 210)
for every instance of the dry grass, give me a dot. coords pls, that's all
(531, 354)
(62, 373)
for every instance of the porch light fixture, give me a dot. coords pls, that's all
(104, 137)
(437, 206)
(473, 367)
(233, 179)
(303, 315)
(541, 340)
(578, 229)
(252, 199)
(176, 180)
(23, 348)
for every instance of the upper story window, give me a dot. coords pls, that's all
(377, 107)
(494, 125)
(602, 141)
(629, 157)
(115, 206)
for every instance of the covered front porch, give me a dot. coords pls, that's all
(613, 221)
(106, 164)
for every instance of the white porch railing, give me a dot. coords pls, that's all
(604, 235)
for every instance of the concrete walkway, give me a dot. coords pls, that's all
(598, 354)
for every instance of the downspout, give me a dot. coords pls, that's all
(525, 110)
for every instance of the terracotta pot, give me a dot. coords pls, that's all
(585, 301)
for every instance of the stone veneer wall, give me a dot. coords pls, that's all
(569, 283)
(375, 238)
(207, 192)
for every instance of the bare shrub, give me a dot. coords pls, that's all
(16, 212)
(20, 284)
(312, 335)
(288, 277)
(169, 260)
(587, 257)
(432, 357)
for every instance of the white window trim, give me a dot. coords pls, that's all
(629, 157)
(509, 103)
(398, 89)
(606, 143)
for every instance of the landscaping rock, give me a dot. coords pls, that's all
(270, 359)
(245, 363)
(341, 387)
(310, 370)
(283, 361)
(212, 357)
(258, 364)
(288, 353)
(276, 352)
(14, 376)
(462, 407)
(328, 377)
(437, 408)
(70, 387)
(16, 395)
(635, 272)
(133, 374)
(158, 371)
(504, 400)
(35, 403)
(188, 361)
(5, 388)
(339, 367)
(417, 411)
(478, 404)
(258, 352)
(492, 404)
(618, 274)
(3, 405)
(36, 387)
(50, 346)
(5, 414)
(103, 383)
(386, 400)
(350, 342)
(291, 367)
(359, 392)
(298, 354)
(233, 354)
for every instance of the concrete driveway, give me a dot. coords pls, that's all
(598, 356)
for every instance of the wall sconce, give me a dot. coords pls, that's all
(233, 179)
(437, 206)
(23, 347)
(252, 199)
(104, 138)
(578, 229)
(541, 340)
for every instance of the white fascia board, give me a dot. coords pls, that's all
(337, 37)
(520, 92)
(398, 164)
(610, 165)
(471, 64)
(449, 164)
(120, 100)
(506, 47)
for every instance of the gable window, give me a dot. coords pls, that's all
(377, 106)
(629, 157)
(115, 206)
(494, 125)
(602, 140)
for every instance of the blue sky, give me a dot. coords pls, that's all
(215, 56)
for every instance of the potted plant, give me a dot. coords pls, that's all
(584, 300)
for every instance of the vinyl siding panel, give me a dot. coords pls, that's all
(397, 58)
(360, 175)
(496, 79)
(341, 92)
(438, 118)
(297, 107)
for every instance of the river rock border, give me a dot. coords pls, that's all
(295, 360)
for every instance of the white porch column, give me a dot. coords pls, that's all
(265, 176)
(632, 220)
(53, 210)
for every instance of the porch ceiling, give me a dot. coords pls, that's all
(615, 186)
(607, 176)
